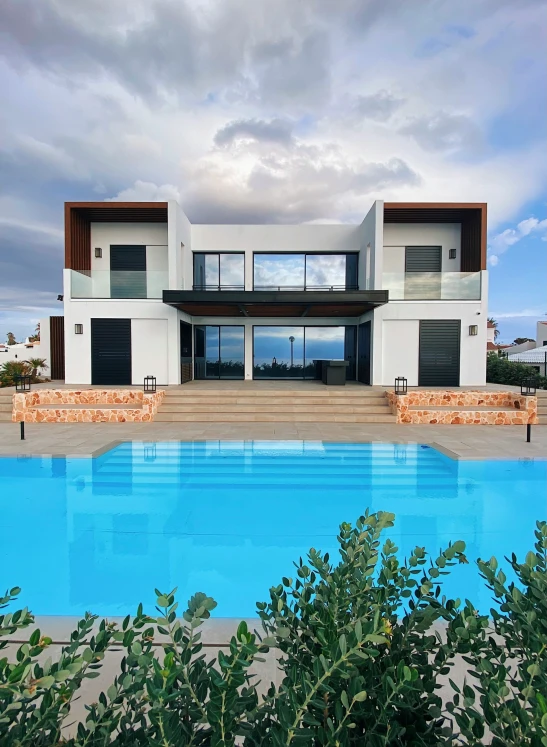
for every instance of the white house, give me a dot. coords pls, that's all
(146, 292)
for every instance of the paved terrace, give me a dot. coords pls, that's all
(458, 441)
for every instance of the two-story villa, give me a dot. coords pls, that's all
(401, 294)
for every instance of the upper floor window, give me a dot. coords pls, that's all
(287, 271)
(219, 271)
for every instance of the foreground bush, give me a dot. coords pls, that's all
(499, 370)
(361, 661)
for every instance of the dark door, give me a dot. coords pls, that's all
(57, 347)
(350, 344)
(423, 265)
(439, 362)
(363, 350)
(128, 271)
(185, 352)
(111, 351)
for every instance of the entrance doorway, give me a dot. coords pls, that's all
(219, 352)
(363, 347)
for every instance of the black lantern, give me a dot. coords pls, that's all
(22, 383)
(149, 383)
(401, 385)
(528, 387)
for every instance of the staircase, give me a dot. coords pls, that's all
(542, 406)
(320, 404)
(6, 406)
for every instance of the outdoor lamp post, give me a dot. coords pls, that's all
(401, 385)
(291, 340)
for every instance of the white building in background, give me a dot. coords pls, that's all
(404, 293)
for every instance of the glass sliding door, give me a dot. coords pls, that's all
(323, 343)
(216, 272)
(296, 352)
(315, 272)
(219, 352)
(278, 352)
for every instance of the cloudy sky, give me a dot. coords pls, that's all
(278, 111)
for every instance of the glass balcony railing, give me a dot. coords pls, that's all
(118, 283)
(433, 286)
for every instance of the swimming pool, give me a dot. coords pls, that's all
(229, 518)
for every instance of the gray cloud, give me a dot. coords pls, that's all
(275, 131)
(444, 131)
(378, 106)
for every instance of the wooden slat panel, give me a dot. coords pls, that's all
(471, 215)
(57, 347)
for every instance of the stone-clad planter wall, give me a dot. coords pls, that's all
(140, 406)
(411, 408)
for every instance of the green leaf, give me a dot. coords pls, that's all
(344, 699)
(376, 638)
(45, 682)
(360, 696)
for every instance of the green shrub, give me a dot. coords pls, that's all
(11, 369)
(499, 370)
(361, 661)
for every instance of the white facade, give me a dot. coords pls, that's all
(170, 249)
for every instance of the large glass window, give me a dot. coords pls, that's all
(289, 271)
(297, 352)
(219, 352)
(214, 271)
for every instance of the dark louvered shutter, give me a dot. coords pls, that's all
(128, 271)
(439, 352)
(111, 351)
(423, 266)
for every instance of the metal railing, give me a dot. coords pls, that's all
(221, 287)
(118, 283)
(306, 287)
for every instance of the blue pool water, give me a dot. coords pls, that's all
(229, 518)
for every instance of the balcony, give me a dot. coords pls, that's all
(433, 286)
(115, 284)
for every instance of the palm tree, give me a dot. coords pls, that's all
(494, 323)
(35, 364)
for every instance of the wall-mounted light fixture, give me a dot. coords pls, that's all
(451, 253)
(78, 329)
(473, 330)
(98, 252)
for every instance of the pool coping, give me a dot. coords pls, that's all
(105, 448)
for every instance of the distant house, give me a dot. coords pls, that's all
(536, 359)
(541, 334)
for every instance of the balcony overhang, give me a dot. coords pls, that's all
(256, 304)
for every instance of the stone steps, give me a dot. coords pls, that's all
(542, 407)
(6, 407)
(263, 408)
(262, 405)
(271, 417)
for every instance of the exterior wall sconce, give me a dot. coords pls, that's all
(528, 387)
(451, 253)
(78, 329)
(401, 385)
(98, 252)
(149, 384)
(473, 330)
(22, 383)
